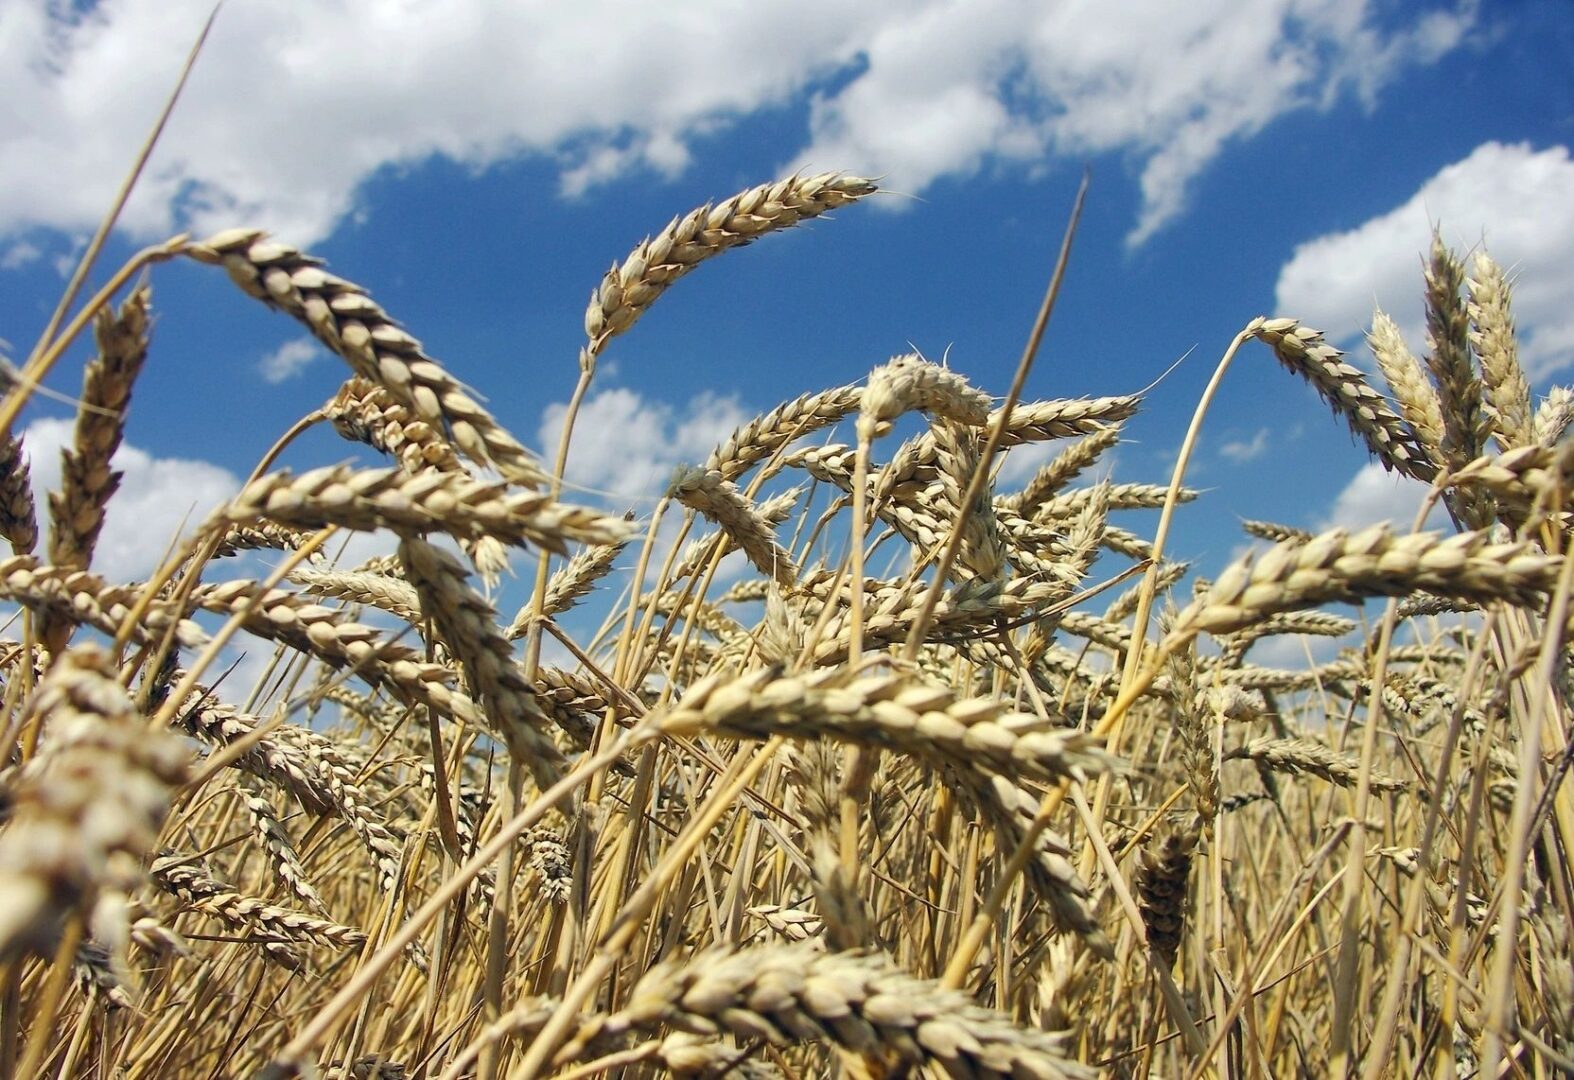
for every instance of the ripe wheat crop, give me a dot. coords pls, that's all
(931, 789)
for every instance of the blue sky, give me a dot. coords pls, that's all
(478, 165)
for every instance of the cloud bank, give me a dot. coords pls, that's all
(294, 106)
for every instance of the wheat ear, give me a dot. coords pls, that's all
(629, 288)
(469, 626)
(18, 523)
(1336, 565)
(1412, 390)
(1303, 351)
(345, 319)
(427, 502)
(86, 479)
(88, 807)
(857, 1001)
(1492, 333)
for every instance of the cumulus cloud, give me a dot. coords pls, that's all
(159, 498)
(289, 359)
(1516, 199)
(626, 446)
(1373, 496)
(283, 120)
(1241, 451)
(951, 85)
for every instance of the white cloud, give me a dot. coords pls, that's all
(1517, 199)
(19, 255)
(283, 120)
(158, 499)
(626, 446)
(1373, 495)
(950, 84)
(1241, 451)
(289, 359)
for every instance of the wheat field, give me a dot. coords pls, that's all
(948, 781)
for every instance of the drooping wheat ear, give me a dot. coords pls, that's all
(628, 289)
(1127, 543)
(908, 383)
(469, 626)
(1502, 377)
(350, 800)
(887, 710)
(856, 1001)
(960, 448)
(345, 319)
(1554, 416)
(1313, 623)
(394, 595)
(1052, 880)
(1300, 755)
(1273, 531)
(704, 491)
(366, 412)
(1063, 418)
(1303, 351)
(892, 608)
(428, 502)
(1550, 928)
(571, 582)
(1336, 565)
(1412, 390)
(18, 524)
(86, 479)
(760, 438)
(773, 511)
(83, 597)
(263, 536)
(1163, 884)
(816, 775)
(1062, 469)
(1519, 480)
(178, 876)
(276, 843)
(88, 807)
(213, 722)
